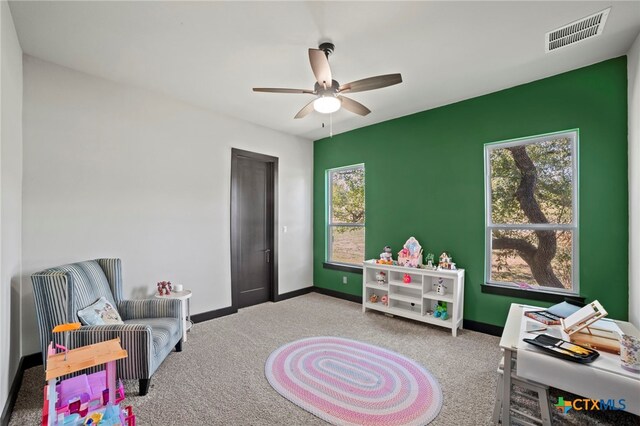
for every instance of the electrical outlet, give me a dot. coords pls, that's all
(344, 280)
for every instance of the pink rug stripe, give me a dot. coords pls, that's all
(347, 382)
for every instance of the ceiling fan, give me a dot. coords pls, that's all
(328, 91)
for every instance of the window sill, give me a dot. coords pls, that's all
(534, 295)
(342, 267)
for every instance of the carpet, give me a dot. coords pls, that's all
(218, 378)
(347, 382)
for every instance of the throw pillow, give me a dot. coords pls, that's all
(100, 312)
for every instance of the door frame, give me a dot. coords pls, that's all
(272, 208)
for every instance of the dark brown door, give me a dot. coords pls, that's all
(252, 227)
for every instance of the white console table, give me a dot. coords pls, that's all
(414, 300)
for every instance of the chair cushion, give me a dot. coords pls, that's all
(165, 333)
(100, 313)
(89, 283)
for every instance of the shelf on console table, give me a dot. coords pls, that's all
(414, 300)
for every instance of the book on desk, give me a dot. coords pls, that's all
(554, 314)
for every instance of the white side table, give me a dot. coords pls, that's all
(184, 297)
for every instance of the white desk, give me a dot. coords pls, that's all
(602, 379)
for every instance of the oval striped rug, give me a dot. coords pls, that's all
(347, 382)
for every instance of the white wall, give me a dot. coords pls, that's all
(112, 170)
(10, 201)
(633, 64)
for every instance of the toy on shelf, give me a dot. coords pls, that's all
(381, 277)
(386, 258)
(164, 288)
(430, 257)
(411, 254)
(406, 279)
(373, 298)
(385, 300)
(441, 289)
(84, 399)
(446, 262)
(441, 311)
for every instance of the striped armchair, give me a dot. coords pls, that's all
(151, 329)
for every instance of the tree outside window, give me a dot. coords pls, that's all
(346, 215)
(531, 201)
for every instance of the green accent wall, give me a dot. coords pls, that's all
(425, 177)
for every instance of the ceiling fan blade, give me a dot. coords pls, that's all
(275, 90)
(306, 110)
(371, 83)
(353, 106)
(320, 67)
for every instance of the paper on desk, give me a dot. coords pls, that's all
(606, 325)
(533, 326)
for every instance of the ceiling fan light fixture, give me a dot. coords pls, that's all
(326, 104)
(328, 92)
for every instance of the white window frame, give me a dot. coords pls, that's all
(573, 135)
(329, 217)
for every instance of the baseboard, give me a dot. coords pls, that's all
(31, 360)
(338, 294)
(209, 315)
(25, 363)
(494, 330)
(13, 394)
(295, 293)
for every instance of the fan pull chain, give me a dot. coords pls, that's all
(331, 125)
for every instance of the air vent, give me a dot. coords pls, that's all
(577, 31)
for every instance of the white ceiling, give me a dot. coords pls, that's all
(211, 54)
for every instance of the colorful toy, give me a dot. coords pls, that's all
(381, 277)
(93, 419)
(164, 287)
(386, 258)
(411, 254)
(84, 399)
(62, 328)
(406, 278)
(441, 311)
(446, 262)
(373, 298)
(429, 259)
(385, 300)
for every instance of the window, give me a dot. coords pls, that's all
(531, 191)
(345, 215)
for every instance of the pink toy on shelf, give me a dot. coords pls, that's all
(385, 300)
(411, 254)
